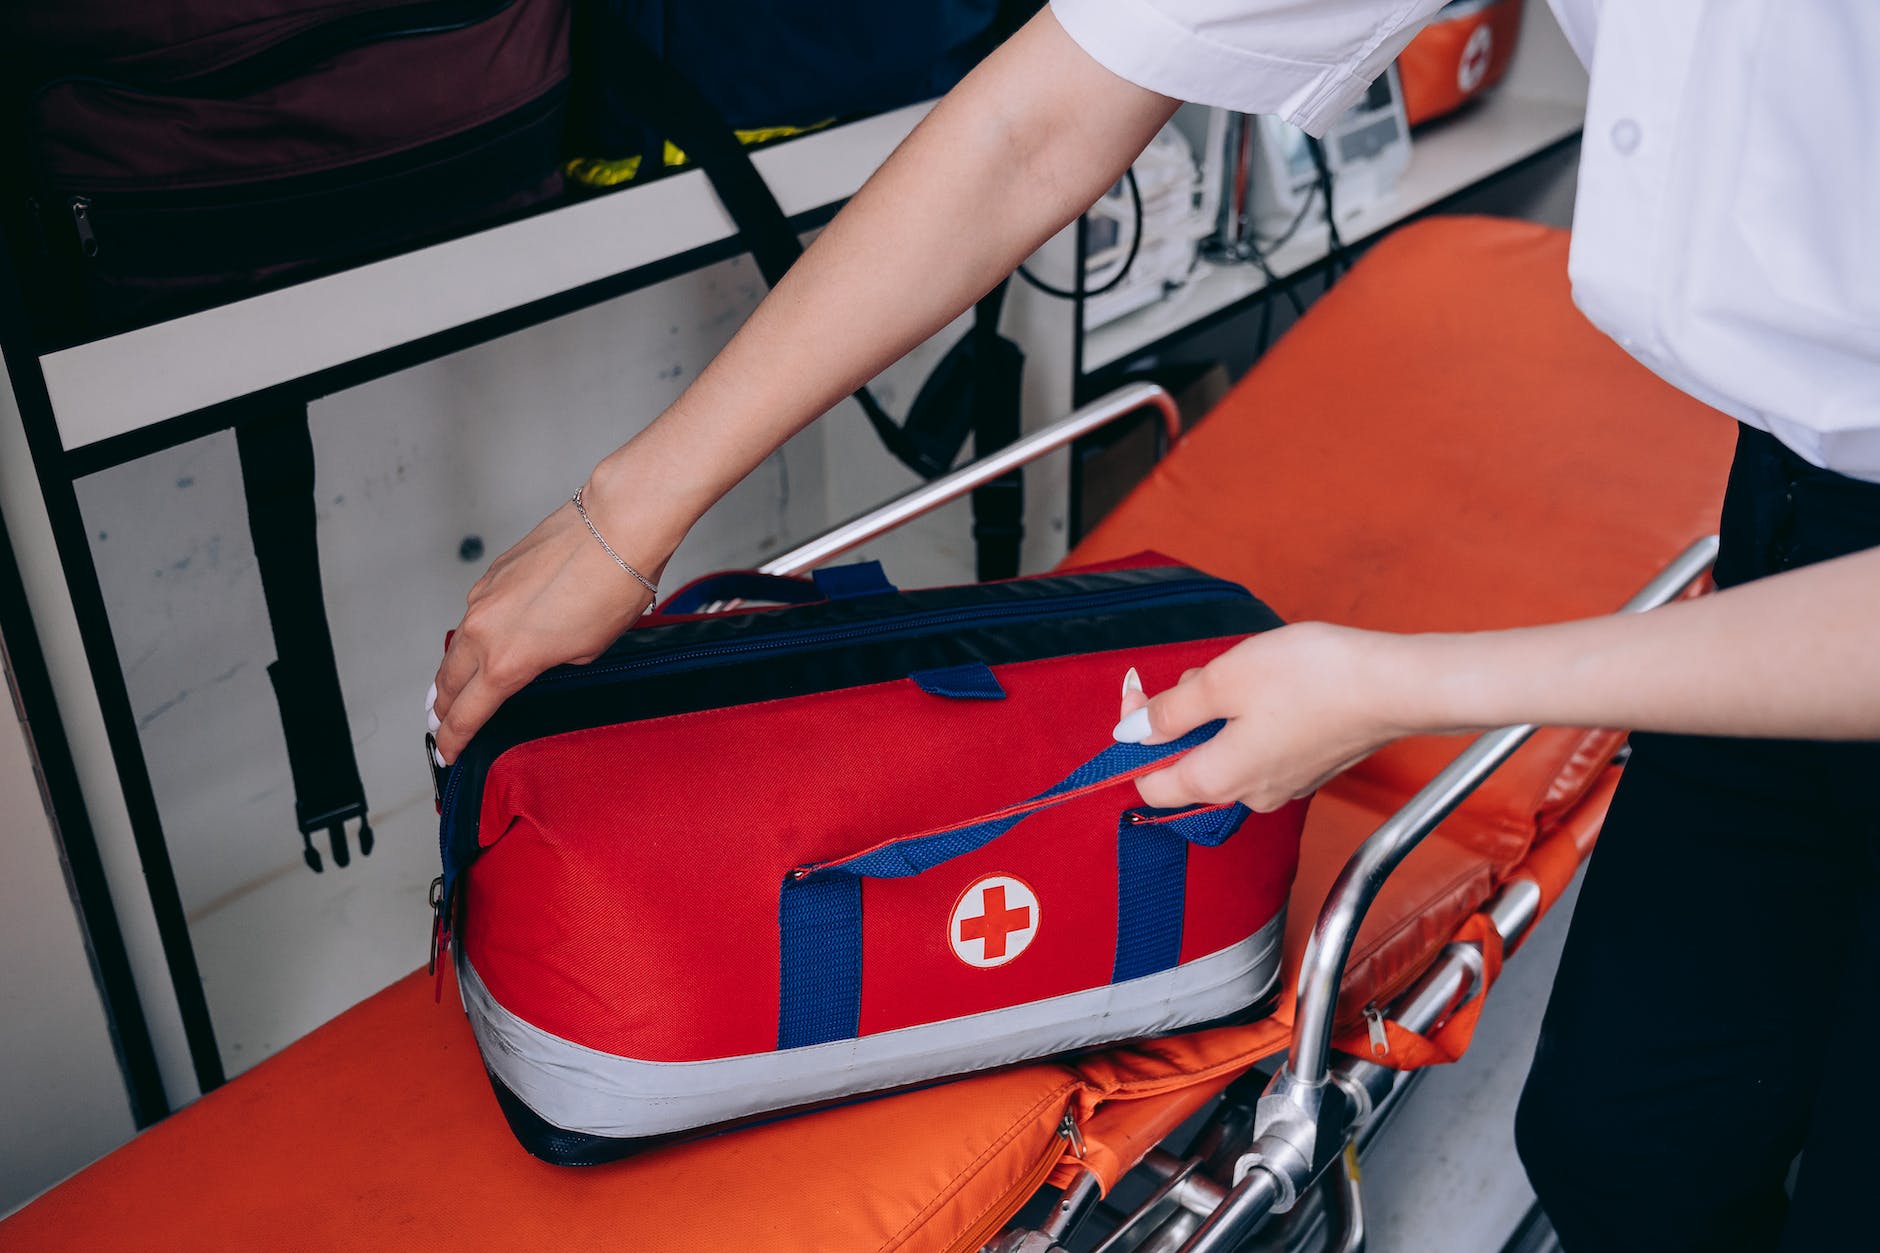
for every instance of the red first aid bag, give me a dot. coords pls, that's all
(772, 859)
(1464, 51)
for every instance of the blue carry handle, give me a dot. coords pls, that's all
(820, 910)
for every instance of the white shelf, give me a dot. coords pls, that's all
(123, 383)
(1497, 133)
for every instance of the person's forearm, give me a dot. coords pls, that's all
(1795, 655)
(1020, 148)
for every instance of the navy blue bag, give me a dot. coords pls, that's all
(764, 64)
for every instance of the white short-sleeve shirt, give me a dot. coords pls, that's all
(1727, 231)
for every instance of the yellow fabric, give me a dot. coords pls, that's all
(612, 172)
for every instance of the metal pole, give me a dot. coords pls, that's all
(1099, 413)
(1245, 1208)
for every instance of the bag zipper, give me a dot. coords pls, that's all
(80, 209)
(1179, 591)
(916, 623)
(1374, 1027)
(1069, 1136)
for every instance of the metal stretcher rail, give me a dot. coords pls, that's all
(1307, 1111)
(1112, 406)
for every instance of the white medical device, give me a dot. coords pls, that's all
(1266, 180)
(1175, 220)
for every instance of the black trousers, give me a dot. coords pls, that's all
(1716, 1007)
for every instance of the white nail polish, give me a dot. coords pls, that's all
(432, 721)
(1134, 728)
(438, 758)
(1132, 682)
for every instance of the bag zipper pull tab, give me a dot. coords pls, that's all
(435, 771)
(1374, 1022)
(1072, 1132)
(80, 207)
(440, 938)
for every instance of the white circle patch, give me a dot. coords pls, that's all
(994, 921)
(1475, 54)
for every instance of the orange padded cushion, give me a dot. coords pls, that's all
(1442, 882)
(1443, 444)
(379, 1131)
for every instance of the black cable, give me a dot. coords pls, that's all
(1292, 227)
(1266, 329)
(1275, 282)
(1335, 257)
(1135, 246)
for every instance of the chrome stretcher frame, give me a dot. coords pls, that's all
(1258, 1156)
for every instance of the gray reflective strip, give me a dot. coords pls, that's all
(582, 1089)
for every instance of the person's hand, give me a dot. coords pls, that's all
(555, 597)
(1301, 703)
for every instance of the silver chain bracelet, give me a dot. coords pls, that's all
(620, 561)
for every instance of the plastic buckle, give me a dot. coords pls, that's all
(334, 823)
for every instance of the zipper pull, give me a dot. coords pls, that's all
(1374, 1021)
(1072, 1132)
(80, 207)
(440, 938)
(434, 770)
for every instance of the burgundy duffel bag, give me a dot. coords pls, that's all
(183, 152)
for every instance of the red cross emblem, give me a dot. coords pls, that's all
(993, 921)
(1474, 65)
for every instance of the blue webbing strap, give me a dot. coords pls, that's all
(1152, 880)
(923, 852)
(821, 924)
(972, 681)
(821, 920)
(862, 578)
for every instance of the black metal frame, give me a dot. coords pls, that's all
(70, 538)
(78, 844)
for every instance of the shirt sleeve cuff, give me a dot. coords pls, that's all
(1135, 40)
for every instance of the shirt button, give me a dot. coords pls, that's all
(1625, 136)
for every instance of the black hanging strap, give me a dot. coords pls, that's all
(276, 453)
(645, 87)
(999, 506)
(976, 390)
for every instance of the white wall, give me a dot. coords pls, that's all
(59, 1079)
(484, 442)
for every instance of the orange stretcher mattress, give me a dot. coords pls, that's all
(1442, 443)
